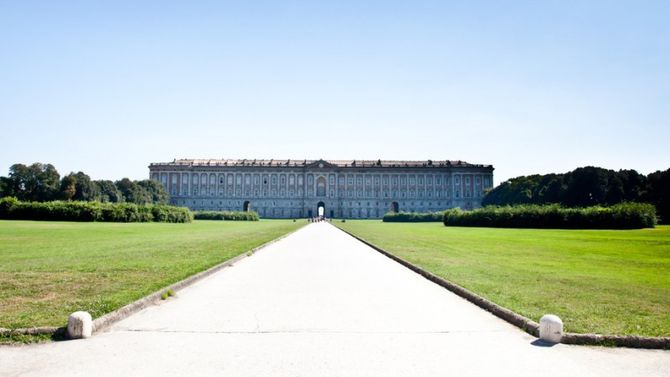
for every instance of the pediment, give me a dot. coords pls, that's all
(321, 163)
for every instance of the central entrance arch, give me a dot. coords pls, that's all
(321, 209)
(395, 208)
(247, 206)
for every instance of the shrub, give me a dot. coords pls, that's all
(226, 215)
(12, 209)
(413, 217)
(619, 216)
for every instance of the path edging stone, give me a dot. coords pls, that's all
(104, 322)
(525, 324)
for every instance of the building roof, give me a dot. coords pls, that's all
(336, 163)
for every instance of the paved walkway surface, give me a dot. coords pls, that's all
(320, 303)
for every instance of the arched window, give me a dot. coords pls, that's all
(321, 186)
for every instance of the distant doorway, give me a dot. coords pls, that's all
(321, 209)
(247, 206)
(395, 208)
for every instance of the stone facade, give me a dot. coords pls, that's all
(338, 189)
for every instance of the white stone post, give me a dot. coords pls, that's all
(79, 325)
(551, 328)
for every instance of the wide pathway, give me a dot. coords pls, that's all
(320, 303)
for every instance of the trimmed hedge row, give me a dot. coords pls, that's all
(620, 216)
(13, 209)
(226, 215)
(412, 217)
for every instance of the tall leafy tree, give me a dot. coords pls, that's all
(109, 192)
(658, 193)
(3, 187)
(37, 182)
(586, 186)
(158, 193)
(132, 192)
(84, 189)
(68, 187)
(87, 190)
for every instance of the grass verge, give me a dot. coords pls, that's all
(613, 282)
(51, 269)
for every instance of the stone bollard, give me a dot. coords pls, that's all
(551, 328)
(79, 325)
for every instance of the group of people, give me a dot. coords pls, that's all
(318, 219)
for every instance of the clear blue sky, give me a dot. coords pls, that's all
(107, 87)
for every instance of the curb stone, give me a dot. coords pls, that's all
(104, 322)
(525, 324)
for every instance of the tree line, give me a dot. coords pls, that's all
(41, 183)
(586, 186)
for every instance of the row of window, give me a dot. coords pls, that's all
(359, 180)
(239, 203)
(321, 192)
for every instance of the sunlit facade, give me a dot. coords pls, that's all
(337, 188)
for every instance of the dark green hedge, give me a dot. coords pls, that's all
(412, 217)
(620, 216)
(226, 215)
(12, 209)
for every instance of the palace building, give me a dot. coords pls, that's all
(356, 189)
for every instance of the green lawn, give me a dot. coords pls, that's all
(597, 281)
(50, 269)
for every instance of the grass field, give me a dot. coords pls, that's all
(50, 269)
(597, 281)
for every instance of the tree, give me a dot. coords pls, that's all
(87, 190)
(634, 185)
(580, 187)
(586, 186)
(658, 193)
(37, 182)
(3, 187)
(156, 190)
(132, 192)
(68, 187)
(84, 189)
(109, 192)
